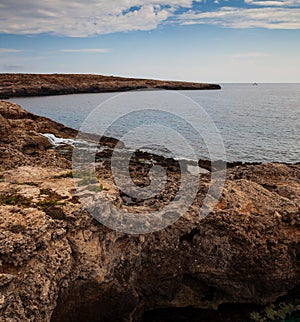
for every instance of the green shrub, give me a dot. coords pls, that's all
(15, 200)
(94, 188)
(64, 175)
(43, 204)
(275, 312)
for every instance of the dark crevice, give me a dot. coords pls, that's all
(90, 301)
(190, 236)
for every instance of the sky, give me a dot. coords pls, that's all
(204, 40)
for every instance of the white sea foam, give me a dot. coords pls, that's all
(89, 147)
(54, 140)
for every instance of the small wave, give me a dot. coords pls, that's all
(54, 140)
(89, 147)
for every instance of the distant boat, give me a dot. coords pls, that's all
(254, 84)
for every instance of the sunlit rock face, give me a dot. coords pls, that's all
(60, 264)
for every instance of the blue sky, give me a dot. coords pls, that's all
(209, 41)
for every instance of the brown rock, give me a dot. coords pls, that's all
(16, 85)
(22, 142)
(60, 264)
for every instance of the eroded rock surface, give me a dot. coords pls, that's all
(22, 142)
(60, 264)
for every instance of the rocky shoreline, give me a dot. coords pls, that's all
(21, 85)
(240, 263)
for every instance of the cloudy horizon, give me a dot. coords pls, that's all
(212, 40)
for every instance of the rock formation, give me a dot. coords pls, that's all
(60, 264)
(16, 85)
(22, 142)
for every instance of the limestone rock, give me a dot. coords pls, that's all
(59, 264)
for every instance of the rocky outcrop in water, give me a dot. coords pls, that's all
(16, 85)
(22, 142)
(60, 264)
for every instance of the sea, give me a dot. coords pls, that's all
(253, 123)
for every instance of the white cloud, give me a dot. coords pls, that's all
(84, 18)
(272, 3)
(271, 18)
(76, 18)
(9, 50)
(87, 50)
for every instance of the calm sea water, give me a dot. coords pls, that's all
(257, 123)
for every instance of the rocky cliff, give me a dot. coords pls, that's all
(60, 264)
(16, 85)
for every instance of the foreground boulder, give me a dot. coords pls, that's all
(60, 264)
